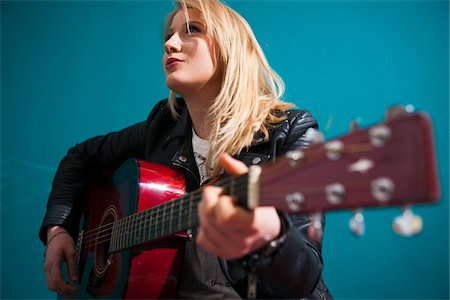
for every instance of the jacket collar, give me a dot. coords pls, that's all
(184, 156)
(184, 123)
(182, 126)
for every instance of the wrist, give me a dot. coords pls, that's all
(270, 248)
(54, 230)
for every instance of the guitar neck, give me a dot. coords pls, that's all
(392, 163)
(170, 217)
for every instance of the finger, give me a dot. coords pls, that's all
(214, 242)
(65, 288)
(220, 235)
(72, 265)
(48, 278)
(209, 242)
(210, 236)
(231, 217)
(206, 210)
(232, 166)
(210, 196)
(58, 283)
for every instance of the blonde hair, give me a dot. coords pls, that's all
(250, 95)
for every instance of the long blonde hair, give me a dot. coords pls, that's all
(250, 95)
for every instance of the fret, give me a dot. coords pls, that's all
(156, 221)
(232, 186)
(112, 244)
(139, 228)
(124, 235)
(150, 225)
(171, 216)
(133, 230)
(143, 225)
(112, 238)
(119, 232)
(120, 235)
(190, 210)
(180, 214)
(128, 233)
(163, 218)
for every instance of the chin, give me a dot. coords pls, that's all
(173, 85)
(178, 86)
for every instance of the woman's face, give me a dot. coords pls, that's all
(188, 58)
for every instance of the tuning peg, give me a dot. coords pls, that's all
(334, 149)
(379, 135)
(354, 124)
(315, 231)
(356, 224)
(408, 223)
(394, 111)
(314, 136)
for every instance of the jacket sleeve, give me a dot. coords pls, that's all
(294, 269)
(99, 154)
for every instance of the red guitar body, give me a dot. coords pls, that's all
(148, 271)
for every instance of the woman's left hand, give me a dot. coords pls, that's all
(229, 231)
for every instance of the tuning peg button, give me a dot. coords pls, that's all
(314, 136)
(394, 111)
(334, 149)
(407, 224)
(356, 224)
(379, 135)
(295, 157)
(354, 124)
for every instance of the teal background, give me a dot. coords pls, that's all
(71, 70)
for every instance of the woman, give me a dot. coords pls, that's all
(230, 106)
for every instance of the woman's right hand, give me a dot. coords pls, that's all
(60, 248)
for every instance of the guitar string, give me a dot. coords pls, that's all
(311, 159)
(153, 230)
(348, 149)
(155, 227)
(96, 230)
(157, 220)
(153, 210)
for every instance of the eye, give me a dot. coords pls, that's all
(194, 28)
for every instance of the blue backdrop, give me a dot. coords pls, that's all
(71, 70)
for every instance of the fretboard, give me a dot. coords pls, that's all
(170, 217)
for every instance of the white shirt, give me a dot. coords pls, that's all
(200, 147)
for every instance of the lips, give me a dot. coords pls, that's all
(172, 62)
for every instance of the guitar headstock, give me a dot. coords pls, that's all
(389, 164)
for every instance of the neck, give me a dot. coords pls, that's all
(198, 103)
(200, 121)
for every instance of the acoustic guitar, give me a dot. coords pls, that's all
(134, 228)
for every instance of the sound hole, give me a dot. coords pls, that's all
(102, 257)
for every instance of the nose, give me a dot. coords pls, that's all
(173, 44)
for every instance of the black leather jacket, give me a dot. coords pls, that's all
(293, 271)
